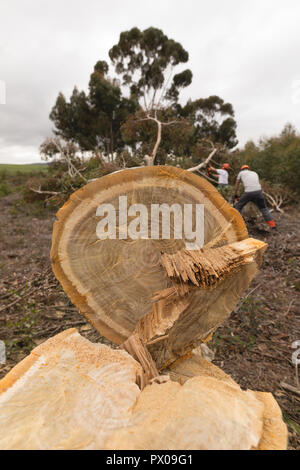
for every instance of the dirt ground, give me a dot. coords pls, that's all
(254, 346)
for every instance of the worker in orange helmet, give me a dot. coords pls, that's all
(222, 174)
(253, 193)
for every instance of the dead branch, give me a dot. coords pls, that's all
(159, 123)
(158, 140)
(72, 170)
(275, 203)
(39, 191)
(289, 307)
(55, 329)
(164, 89)
(18, 300)
(290, 388)
(206, 176)
(205, 163)
(61, 307)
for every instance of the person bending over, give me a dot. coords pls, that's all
(253, 193)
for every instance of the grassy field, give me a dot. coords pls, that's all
(28, 168)
(14, 177)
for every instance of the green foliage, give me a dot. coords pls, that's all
(275, 159)
(227, 192)
(142, 58)
(23, 330)
(107, 121)
(141, 134)
(5, 189)
(8, 169)
(13, 177)
(125, 159)
(39, 190)
(73, 120)
(93, 121)
(206, 114)
(145, 60)
(110, 109)
(294, 427)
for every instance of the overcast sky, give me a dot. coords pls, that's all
(245, 51)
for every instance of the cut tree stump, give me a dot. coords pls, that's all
(172, 297)
(72, 394)
(158, 299)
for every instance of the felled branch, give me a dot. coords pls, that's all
(206, 176)
(275, 202)
(205, 163)
(290, 388)
(39, 191)
(72, 170)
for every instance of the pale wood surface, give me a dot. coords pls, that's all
(73, 394)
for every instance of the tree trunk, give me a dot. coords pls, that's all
(171, 297)
(158, 140)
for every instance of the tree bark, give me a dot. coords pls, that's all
(157, 143)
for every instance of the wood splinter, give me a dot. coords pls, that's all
(138, 350)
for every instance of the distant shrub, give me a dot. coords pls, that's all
(5, 189)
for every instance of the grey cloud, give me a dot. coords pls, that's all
(246, 52)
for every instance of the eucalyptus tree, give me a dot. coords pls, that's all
(146, 61)
(93, 120)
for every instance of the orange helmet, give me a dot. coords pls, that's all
(226, 166)
(244, 167)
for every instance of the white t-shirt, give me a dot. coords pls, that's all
(250, 180)
(223, 177)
